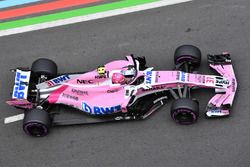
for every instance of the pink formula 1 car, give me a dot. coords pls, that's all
(121, 90)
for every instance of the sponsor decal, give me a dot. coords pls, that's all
(100, 77)
(210, 80)
(233, 85)
(182, 76)
(75, 98)
(221, 82)
(112, 91)
(101, 70)
(148, 77)
(178, 76)
(21, 84)
(58, 80)
(225, 82)
(82, 81)
(157, 76)
(97, 110)
(79, 92)
(215, 110)
(154, 88)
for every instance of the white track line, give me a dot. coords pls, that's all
(91, 17)
(13, 118)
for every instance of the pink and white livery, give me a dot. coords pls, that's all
(122, 90)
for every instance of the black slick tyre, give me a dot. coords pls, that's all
(185, 111)
(188, 53)
(36, 122)
(44, 66)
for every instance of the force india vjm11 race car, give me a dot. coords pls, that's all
(122, 90)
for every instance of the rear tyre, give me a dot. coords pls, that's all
(185, 111)
(188, 53)
(36, 122)
(45, 67)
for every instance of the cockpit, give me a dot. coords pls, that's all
(124, 76)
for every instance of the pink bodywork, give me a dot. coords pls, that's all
(95, 94)
(98, 95)
(22, 103)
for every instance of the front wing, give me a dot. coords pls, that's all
(221, 103)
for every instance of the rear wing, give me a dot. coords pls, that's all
(21, 86)
(21, 89)
(222, 102)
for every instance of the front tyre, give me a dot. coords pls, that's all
(185, 111)
(36, 122)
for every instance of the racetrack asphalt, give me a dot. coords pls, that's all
(213, 25)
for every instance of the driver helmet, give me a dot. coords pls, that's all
(118, 78)
(129, 72)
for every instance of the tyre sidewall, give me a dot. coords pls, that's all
(44, 66)
(187, 106)
(36, 118)
(188, 53)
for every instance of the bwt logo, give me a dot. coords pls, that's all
(149, 77)
(20, 85)
(58, 80)
(96, 110)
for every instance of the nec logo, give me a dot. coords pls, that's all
(20, 85)
(149, 77)
(81, 81)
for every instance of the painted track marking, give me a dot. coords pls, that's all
(54, 5)
(10, 3)
(89, 17)
(14, 118)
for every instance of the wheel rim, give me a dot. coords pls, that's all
(36, 129)
(184, 58)
(184, 116)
